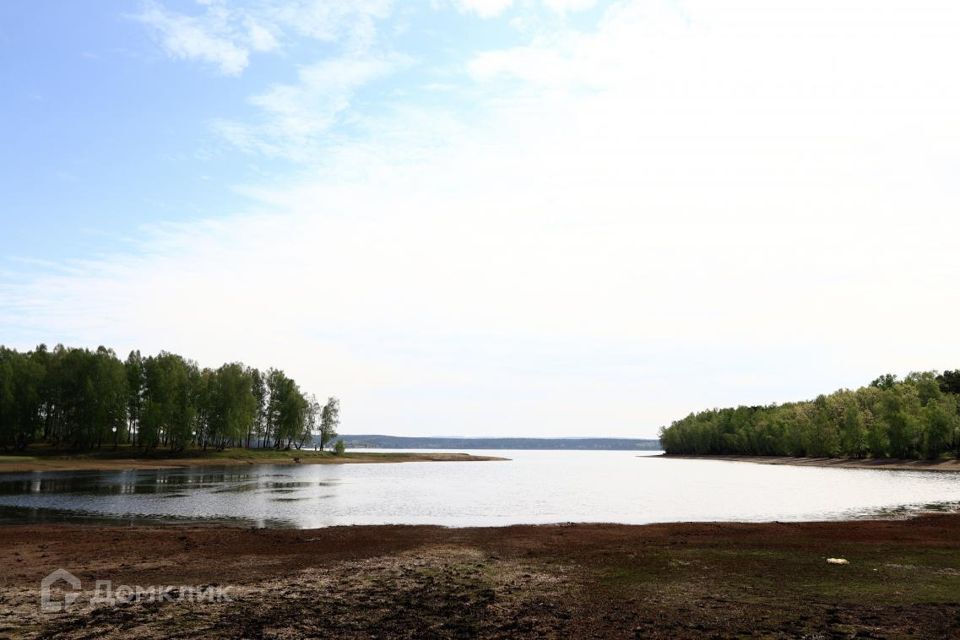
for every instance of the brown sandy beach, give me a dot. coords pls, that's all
(894, 464)
(558, 581)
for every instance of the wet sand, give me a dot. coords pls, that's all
(839, 463)
(558, 581)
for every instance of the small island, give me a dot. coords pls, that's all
(70, 409)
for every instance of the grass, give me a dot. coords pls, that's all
(876, 574)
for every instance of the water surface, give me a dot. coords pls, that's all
(532, 487)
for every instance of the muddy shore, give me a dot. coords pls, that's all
(558, 581)
(23, 464)
(838, 463)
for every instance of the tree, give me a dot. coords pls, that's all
(901, 427)
(329, 421)
(20, 401)
(940, 418)
(170, 408)
(286, 410)
(909, 418)
(231, 405)
(136, 382)
(853, 440)
(85, 399)
(259, 389)
(109, 396)
(949, 381)
(310, 425)
(886, 382)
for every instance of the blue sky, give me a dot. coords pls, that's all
(104, 132)
(99, 128)
(543, 217)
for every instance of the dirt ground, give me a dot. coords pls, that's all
(556, 581)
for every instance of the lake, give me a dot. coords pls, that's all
(532, 487)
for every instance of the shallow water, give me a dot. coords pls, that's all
(532, 487)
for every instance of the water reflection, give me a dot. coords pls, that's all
(135, 482)
(116, 483)
(533, 487)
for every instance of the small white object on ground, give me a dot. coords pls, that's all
(837, 561)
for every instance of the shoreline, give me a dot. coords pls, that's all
(892, 464)
(681, 580)
(80, 462)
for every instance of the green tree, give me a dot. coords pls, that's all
(232, 405)
(949, 381)
(286, 410)
(886, 382)
(940, 418)
(20, 402)
(329, 421)
(84, 399)
(259, 389)
(170, 402)
(909, 418)
(853, 440)
(136, 383)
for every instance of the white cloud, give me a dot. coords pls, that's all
(495, 8)
(261, 37)
(226, 35)
(565, 6)
(484, 8)
(207, 38)
(630, 223)
(295, 117)
(351, 22)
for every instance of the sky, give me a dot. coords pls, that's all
(490, 217)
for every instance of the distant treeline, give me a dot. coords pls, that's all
(425, 442)
(82, 399)
(916, 417)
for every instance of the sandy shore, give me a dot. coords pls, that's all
(21, 464)
(839, 463)
(559, 581)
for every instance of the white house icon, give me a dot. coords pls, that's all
(47, 603)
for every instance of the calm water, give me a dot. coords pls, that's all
(533, 487)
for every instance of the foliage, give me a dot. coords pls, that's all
(339, 448)
(329, 421)
(81, 399)
(916, 417)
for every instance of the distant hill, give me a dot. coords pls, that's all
(405, 442)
